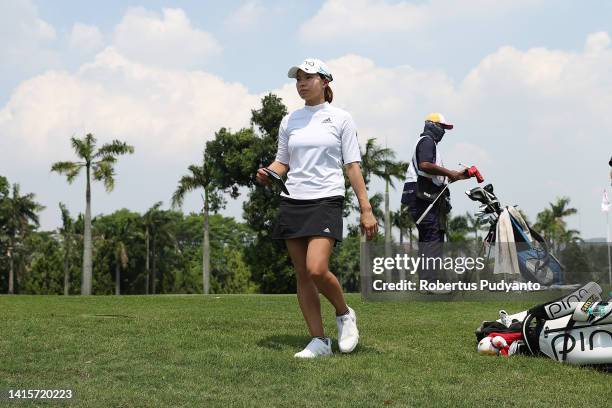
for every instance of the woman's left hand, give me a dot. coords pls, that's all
(368, 224)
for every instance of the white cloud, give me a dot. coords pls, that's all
(597, 42)
(556, 86)
(168, 40)
(86, 38)
(247, 16)
(160, 111)
(354, 18)
(27, 40)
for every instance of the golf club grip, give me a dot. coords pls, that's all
(424, 214)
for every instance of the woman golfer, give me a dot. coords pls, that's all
(313, 144)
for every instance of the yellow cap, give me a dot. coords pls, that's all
(438, 118)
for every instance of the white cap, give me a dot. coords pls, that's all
(311, 66)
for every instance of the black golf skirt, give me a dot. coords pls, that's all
(308, 218)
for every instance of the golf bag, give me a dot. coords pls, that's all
(518, 247)
(576, 329)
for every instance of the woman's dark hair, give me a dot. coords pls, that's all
(327, 93)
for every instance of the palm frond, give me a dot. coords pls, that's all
(186, 184)
(107, 159)
(113, 149)
(20, 211)
(78, 146)
(198, 174)
(104, 171)
(155, 206)
(84, 147)
(67, 221)
(379, 162)
(69, 169)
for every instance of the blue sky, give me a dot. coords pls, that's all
(526, 81)
(455, 45)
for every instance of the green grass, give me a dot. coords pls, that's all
(233, 350)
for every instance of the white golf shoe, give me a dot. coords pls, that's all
(348, 335)
(316, 348)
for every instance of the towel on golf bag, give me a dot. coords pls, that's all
(506, 259)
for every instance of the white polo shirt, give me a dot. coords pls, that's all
(315, 142)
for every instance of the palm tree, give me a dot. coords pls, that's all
(4, 193)
(67, 233)
(571, 236)
(100, 163)
(118, 243)
(201, 177)
(121, 261)
(457, 229)
(157, 225)
(148, 224)
(19, 216)
(545, 223)
(379, 162)
(560, 209)
(551, 222)
(403, 221)
(475, 225)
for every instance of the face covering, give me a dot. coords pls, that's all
(434, 130)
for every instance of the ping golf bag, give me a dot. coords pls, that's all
(522, 249)
(576, 329)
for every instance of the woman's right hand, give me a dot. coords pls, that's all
(368, 224)
(262, 178)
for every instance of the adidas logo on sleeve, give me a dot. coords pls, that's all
(327, 120)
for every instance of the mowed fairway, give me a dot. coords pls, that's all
(237, 350)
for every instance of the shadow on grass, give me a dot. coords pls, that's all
(288, 341)
(282, 341)
(603, 368)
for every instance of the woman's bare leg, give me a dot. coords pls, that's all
(317, 266)
(307, 293)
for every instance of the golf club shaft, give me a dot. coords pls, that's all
(431, 205)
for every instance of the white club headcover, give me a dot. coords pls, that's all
(485, 347)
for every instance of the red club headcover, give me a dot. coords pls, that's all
(473, 172)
